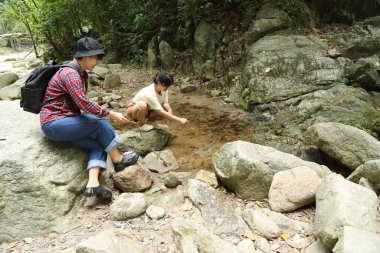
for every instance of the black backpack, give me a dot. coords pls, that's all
(33, 91)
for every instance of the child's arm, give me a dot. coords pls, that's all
(167, 108)
(167, 115)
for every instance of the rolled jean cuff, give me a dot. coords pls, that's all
(114, 143)
(97, 163)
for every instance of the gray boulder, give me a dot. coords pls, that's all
(369, 170)
(13, 91)
(268, 20)
(144, 141)
(340, 203)
(38, 194)
(128, 206)
(7, 79)
(110, 241)
(292, 189)
(353, 240)
(348, 145)
(206, 38)
(134, 178)
(152, 59)
(223, 217)
(111, 81)
(166, 55)
(248, 168)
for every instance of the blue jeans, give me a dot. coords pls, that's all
(94, 135)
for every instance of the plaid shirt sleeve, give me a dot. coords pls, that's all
(76, 89)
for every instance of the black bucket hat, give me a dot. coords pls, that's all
(88, 46)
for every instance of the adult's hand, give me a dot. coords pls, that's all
(117, 116)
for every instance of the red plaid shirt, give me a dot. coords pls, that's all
(66, 96)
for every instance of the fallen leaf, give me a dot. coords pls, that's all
(2, 139)
(152, 191)
(249, 234)
(295, 250)
(285, 236)
(267, 70)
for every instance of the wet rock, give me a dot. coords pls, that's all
(7, 79)
(248, 168)
(343, 203)
(208, 177)
(134, 178)
(161, 161)
(128, 206)
(292, 189)
(171, 180)
(348, 145)
(111, 241)
(33, 173)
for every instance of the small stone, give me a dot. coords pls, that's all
(171, 180)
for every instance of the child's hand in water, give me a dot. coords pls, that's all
(183, 121)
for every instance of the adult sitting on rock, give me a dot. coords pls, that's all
(62, 120)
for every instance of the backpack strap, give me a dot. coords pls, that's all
(70, 65)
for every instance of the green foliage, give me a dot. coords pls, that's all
(124, 27)
(293, 7)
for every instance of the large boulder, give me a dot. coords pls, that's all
(206, 38)
(145, 141)
(348, 145)
(292, 189)
(7, 79)
(38, 193)
(166, 55)
(13, 91)
(340, 203)
(248, 168)
(290, 82)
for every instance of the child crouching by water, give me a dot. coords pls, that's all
(152, 102)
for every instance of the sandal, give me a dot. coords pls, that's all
(99, 192)
(128, 159)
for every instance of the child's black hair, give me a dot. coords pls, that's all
(163, 78)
